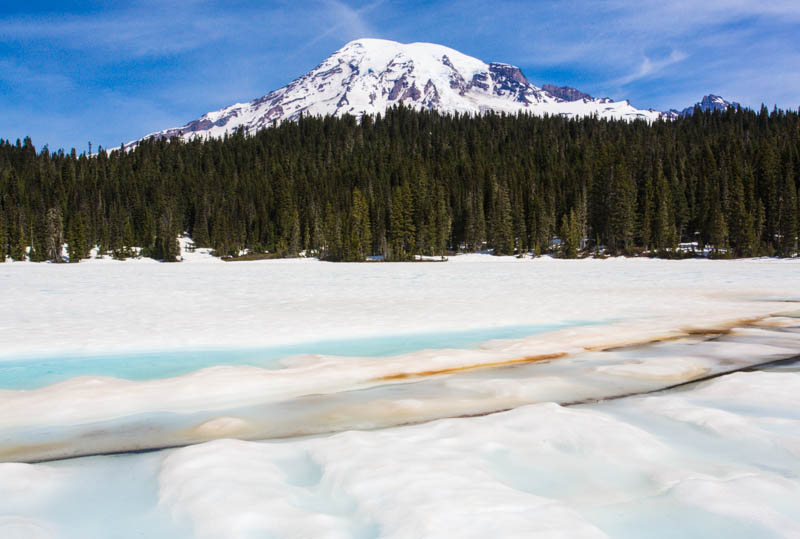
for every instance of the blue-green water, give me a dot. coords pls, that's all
(31, 373)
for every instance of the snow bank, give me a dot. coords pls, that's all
(538, 471)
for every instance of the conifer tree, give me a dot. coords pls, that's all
(294, 236)
(200, 235)
(663, 220)
(19, 245)
(402, 230)
(646, 215)
(570, 234)
(166, 245)
(443, 225)
(4, 248)
(502, 224)
(718, 237)
(54, 239)
(622, 218)
(360, 237)
(768, 179)
(332, 244)
(787, 223)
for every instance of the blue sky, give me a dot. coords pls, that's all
(111, 72)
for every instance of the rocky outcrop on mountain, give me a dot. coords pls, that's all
(566, 93)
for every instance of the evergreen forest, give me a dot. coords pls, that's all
(411, 183)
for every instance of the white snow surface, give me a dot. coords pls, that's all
(652, 466)
(367, 76)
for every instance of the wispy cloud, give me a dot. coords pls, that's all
(345, 22)
(651, 68)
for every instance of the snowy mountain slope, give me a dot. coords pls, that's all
(367, 76)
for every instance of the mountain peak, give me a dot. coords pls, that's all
(711, 103)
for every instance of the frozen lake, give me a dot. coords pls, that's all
(109, 356)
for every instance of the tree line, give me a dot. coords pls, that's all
(411, 183)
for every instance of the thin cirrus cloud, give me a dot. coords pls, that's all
(113, 74)
(346, 22)
(651, 68)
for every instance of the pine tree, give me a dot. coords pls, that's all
(768, 180)
(571, 234)
(19, 245)
(332, 248)
(360, 236)
(663, 220)
(787, 222)
(76, 240)
(166, 245)
(622, 216)
(402, 230)
(200, 235)
(718, 234)
(502, 224)
(740, 222)
(443, 225)
(646, 215)
(54, 239)
(4, 248)
(294, 236)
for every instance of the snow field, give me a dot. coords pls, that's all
(106, 306)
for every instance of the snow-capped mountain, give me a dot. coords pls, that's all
(711, 102)
(367, 76)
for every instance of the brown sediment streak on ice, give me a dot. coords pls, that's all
(22, 453)
(463, 368)
(633, 343)
(710, 332)
(726, 328)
